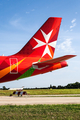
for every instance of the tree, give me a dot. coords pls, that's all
(54, 87)
(51, 86)
(4, 88)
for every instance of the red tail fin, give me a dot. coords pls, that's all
(43, 43)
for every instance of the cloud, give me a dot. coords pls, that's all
(30, 11)
(15, 22)
(67, 31)
(27, 12)
(33, 10)
(66, 46)
(71, 30)
(73, 20)
(18, 24)
(73, 24)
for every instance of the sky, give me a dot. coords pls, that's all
(20, 19)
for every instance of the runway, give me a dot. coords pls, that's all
(28, 100)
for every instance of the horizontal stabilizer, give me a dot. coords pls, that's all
(44, 64)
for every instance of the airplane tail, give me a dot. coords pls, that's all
(43, 43)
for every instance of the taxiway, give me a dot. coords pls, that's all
(28, 100)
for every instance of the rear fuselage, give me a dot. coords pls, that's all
(17, 67)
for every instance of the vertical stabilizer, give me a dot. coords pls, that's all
(43, 43)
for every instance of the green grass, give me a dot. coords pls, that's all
(53, 91)
(43, 92)
(40, 112)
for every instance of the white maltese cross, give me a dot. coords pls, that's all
(46, 43)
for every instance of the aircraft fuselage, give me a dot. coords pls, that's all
(17, 67)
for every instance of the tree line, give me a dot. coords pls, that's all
(75, 85)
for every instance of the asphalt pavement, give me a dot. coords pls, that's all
(30, 100)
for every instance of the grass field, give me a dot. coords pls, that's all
(43, 92)
(40, 112)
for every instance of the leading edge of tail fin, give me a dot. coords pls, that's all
(43, 43)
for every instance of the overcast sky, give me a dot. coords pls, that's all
(20, 19)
